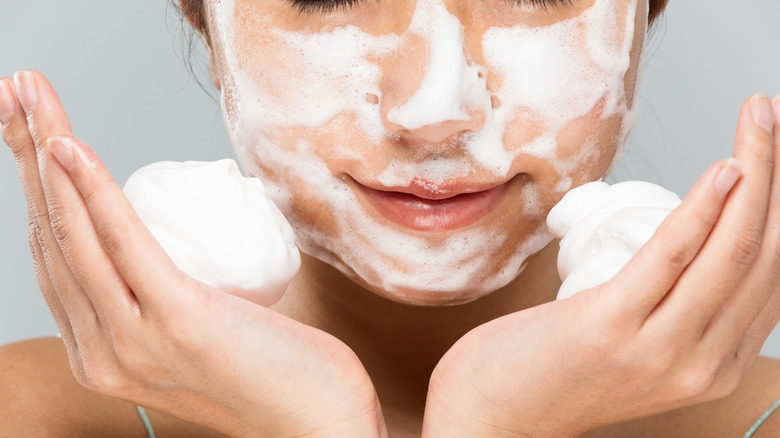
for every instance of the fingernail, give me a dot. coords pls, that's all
(728, 176)
(27, 90)
(6, 103)
(763, 114)
(776, 102)
(62, 149)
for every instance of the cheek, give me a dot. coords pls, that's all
(571, 90)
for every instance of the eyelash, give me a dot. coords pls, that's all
(322, 6)
(326, 6)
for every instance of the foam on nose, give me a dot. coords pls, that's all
(451, 86)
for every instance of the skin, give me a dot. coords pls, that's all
(355, 160)
(669, 339)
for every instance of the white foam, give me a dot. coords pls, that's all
(217, 226)
(555, 73)
(452, 86)
(602, 227)
(559, 72)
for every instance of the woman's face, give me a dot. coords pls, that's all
(417, 145)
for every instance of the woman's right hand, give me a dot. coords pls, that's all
(137, 328)
(678, 325)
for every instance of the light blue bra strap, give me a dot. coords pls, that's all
(761, 420)
(147, 423)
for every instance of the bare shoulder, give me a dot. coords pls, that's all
(40, 398)
(730, 416)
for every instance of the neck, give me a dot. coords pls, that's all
(400, 344)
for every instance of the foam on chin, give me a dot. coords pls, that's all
(217, 226)
(333, 82)
(602, 227)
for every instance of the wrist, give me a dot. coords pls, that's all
(342, 418)
(458, 410)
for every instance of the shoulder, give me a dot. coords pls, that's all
(730, 416)
(40, 397)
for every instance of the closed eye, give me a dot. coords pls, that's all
(327, 6)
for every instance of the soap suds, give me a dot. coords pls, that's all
(559, 73)
(452, 86)
(602, 227)
(217, 226)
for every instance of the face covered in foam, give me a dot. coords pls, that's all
(363, 120)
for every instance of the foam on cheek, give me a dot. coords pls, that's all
(559, 72)
(333, 75)
(383, 255)
(342, 79)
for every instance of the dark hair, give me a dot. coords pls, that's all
(656, 9)
(195, 12)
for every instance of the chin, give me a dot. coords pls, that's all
(430, 295)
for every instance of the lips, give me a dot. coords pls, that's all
(425, 206)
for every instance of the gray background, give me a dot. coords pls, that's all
(117, 67)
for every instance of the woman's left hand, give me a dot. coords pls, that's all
(677, 326)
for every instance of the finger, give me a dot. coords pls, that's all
(638, 288)
(754, 309)
(140, 260)
(89, 265)
(756, 335)
(719, 270)
(45, 117)
(79, 308)
(17, 136)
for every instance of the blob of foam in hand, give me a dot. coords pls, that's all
(217, 226)
(601, 227)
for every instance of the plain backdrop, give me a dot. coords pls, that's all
(118, 69)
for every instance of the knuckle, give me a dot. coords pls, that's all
(101, 377)
(132, 358)
(695, 382)
(680, 240)
(19, 141)
(747, 242)
(35, 227)
(112, 237)
(659, 367)
(38, 263)
(679, 257)
(78, 370)
(677, 251)
(39, 235)
(61, 221)
(725, 385)
(608, 346)
(764, 155)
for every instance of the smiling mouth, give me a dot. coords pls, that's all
(427, 207)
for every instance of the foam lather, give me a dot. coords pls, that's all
(217, 226)
(601, 227)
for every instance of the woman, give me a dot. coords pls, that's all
(416, 148)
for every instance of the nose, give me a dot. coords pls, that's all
(431, 92)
